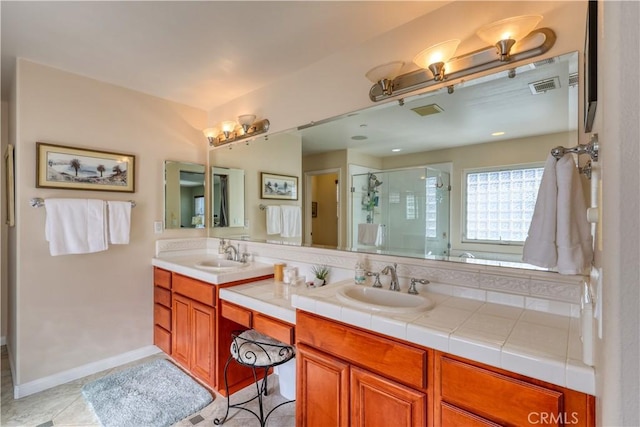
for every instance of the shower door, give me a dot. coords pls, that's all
(410, 207)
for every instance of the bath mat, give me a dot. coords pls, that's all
(154, 394)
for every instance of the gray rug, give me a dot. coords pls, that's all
(154, 394)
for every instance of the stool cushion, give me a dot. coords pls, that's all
(255, 349)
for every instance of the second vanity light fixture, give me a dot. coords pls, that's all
(231, 131)
(438, 64)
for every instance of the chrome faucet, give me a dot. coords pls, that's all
(414, 281)
(232, 252)
(376, 282)
(391, 269)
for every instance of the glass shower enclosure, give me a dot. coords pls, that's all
(404, 212)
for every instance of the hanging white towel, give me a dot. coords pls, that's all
(75, 226)
(370, 234)
(559, 234)
(291, 221)
(274, 220)
(119, 222)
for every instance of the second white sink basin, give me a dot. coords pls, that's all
(379, 299)
(221, 265)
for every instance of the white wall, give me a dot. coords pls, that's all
(618, 355)
(79, 309)
(4, 284)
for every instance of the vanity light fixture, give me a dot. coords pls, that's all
(507, 32)
(433, 58)
(383, 75)
(231, 131)
(520, 29)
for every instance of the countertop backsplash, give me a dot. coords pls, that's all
(531, 289)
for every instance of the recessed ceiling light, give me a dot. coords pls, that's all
(395, 150)
(497, 133)
(358, 137)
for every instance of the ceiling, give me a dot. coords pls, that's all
(207, 53)
(201, 54)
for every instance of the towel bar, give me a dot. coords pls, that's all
(591, 149)
(38, 202)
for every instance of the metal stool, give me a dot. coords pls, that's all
(256, 351)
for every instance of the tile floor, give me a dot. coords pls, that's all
(64, 405)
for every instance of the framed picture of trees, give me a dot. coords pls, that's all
(275, 186)
(73, 168)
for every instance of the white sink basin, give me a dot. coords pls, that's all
(379, 299)
(221, 265)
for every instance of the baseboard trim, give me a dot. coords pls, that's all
(45, 383)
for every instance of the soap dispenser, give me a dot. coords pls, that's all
(359, 276)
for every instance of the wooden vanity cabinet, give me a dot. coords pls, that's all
(194, 326)
(472, 394)
(350, 377)
(162, 309)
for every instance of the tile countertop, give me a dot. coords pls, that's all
(533, 343)
(186, 265)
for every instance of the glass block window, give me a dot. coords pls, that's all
(431, 207)
(500, 203)
(410, 206)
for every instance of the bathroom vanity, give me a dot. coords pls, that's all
(187, 317)
(456, 361)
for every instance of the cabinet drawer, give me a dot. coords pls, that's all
(456, 417)
(162, 316)
(162, 278)
(392, 359)
(162, 296)
(235, 313)
(494, 396)
(162, 339)
(274, 328)
(194, 289)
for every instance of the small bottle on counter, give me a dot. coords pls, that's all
(221, 248)
(359, 276)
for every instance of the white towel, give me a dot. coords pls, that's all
(370, 234)
(559, 234)
(274, 220)
(75, 226)
(291, 221)
(119, 222)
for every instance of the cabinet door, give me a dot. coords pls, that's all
(181, 328)
(322, 397)
(203, 323)
(379, 402)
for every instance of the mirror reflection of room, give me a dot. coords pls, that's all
(184, 195)
(227, 197)
(483, 129)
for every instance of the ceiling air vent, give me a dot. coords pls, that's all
(427, 110)
(573, 79)
(542, 86)
(543, 62)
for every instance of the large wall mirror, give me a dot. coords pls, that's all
(184, 195)
(460, 146)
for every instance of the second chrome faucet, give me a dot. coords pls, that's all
(391, 270)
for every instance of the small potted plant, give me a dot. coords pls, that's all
(320, 273)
